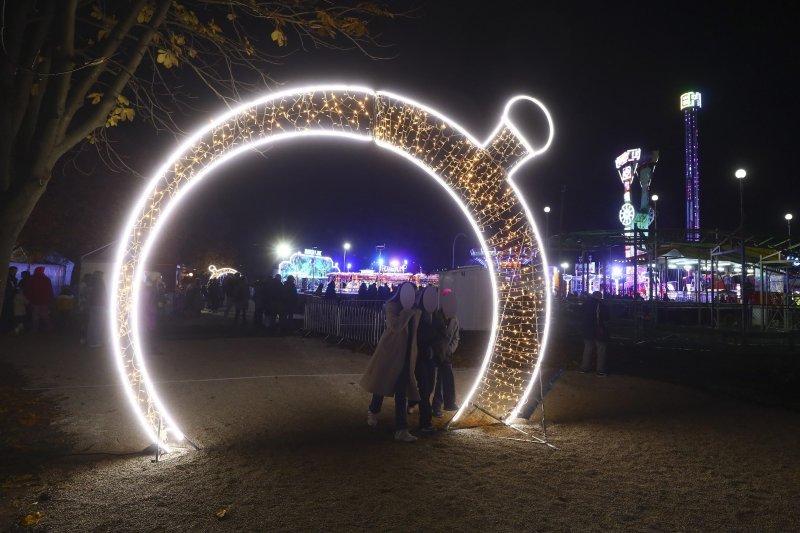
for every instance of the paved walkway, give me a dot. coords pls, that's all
(217, 389)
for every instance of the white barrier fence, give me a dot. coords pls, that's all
(353, 320)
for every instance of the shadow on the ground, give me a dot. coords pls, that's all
(28, 440)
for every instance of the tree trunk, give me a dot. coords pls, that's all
(15, 209)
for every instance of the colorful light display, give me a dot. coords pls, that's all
(632, 164)
(307, 267)
(477, 176)
(690, 105)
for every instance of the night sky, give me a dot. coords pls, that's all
(611, 75)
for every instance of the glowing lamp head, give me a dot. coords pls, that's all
(740, 174)
(788, 216)
(654, 197)
(347, 246)
(405, 261)
(283, 249)
(565, 265)
(547, 209)
(349, 266)
(380, 260)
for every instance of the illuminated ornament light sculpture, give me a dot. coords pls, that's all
(219, 272)
(476, 175)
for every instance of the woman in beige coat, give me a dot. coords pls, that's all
(390, 371)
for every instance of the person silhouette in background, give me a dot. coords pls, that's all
(330, 290)
(241, 300)
(274, 303)
(372, 292)
(595, 333)
(289, 304)
(39, 292)
(8, 299)
(383, 292)
(97, 310)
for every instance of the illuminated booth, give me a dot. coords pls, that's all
(308, 268)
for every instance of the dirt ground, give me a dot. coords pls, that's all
(285, 447)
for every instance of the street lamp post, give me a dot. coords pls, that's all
(788, 217)
(563, 288)
(547, 228)
(453, 264)
(344, 256)
(740, 175)
(655, 249)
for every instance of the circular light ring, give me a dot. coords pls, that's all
(476, 175)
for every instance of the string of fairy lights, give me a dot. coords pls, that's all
(476, 174)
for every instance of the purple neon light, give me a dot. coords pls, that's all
(692, 174)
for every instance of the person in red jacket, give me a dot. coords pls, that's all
(39, 292)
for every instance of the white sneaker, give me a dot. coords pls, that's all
(372, 418)
(404, 436)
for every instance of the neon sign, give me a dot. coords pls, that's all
(630, 156)
(691, 99)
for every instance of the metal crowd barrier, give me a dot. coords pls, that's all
(352, 320)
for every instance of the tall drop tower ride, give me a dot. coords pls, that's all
(690, 105)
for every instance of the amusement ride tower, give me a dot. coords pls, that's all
(631, 165)
(690, 105)
(636, 219)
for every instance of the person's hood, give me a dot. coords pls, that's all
(39, 271)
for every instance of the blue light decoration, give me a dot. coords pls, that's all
(690, 105)
(500, 260)
(307, 267)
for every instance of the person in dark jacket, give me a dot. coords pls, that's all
(424, 370)
(241, 299)
(98, 308)
(289, 304)
(372, 292)
(446, 322)
(330, 290)
(274, 304)
(362, 291)
(595, 333)
(8, 299)
(39, 292)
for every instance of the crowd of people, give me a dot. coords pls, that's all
(413, 359)
(274, 300)
(30, 304)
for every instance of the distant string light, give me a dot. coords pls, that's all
(476, 175)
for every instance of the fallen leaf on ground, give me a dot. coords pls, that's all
(32, 519)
